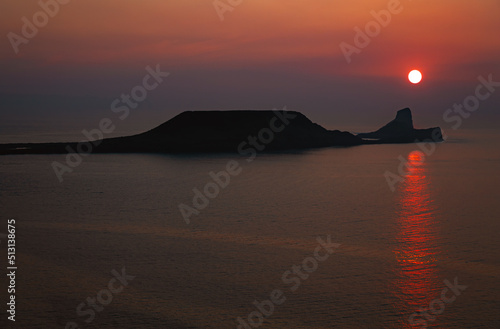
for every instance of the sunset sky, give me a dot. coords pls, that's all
(264, 54)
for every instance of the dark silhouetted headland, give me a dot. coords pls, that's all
(232, 131)
(212, 131)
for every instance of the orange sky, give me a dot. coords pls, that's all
(450, 40)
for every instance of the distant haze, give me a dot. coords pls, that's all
(265, 54)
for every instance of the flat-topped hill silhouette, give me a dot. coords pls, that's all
(212, 131)
(231, 131)
(225, 130)
(401, 130)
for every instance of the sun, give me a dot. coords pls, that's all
(415, 76)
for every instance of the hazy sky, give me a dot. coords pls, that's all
(264, 54)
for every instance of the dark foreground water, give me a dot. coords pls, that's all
(258, 240)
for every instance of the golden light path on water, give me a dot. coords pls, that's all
(417, 250)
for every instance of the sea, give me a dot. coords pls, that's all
(373, 236)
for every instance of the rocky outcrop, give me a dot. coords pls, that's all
(401, 130)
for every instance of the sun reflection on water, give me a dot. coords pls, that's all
(416, 250)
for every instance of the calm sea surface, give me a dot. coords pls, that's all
(397, 248)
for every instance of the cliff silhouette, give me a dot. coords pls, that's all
(401, 130)
(225, 131)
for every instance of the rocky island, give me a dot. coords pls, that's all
(235, 131)
(401, 130)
